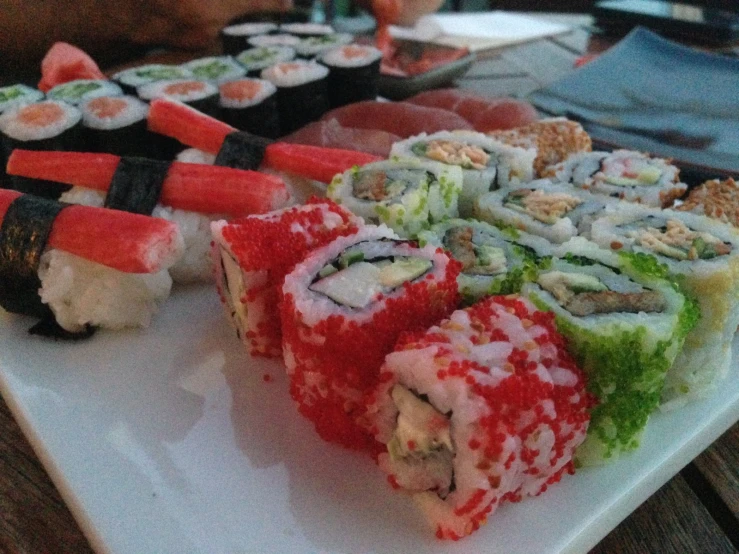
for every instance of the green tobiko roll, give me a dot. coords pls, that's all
(625, 324)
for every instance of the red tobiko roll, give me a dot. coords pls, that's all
(252, 256)
(484, 408)
(343, 310)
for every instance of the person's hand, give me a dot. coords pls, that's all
(190, 24)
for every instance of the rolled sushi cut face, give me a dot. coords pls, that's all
(39, 121)
(406, 195)
(16, 95)
(76, 92)
(624, 174)
(355, 281)
(307, 29)
(262, 57)
(217, 69)
(243, 93)
(112, 112)
(351, 55)
(249, 29)
(281, 39)
(316, 45)
(547, 208)
(145, 74)
(183, 90)
(486, 163)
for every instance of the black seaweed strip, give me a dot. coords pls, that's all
(136, 185)
(49, 328)
(242, 150)
(23, 235)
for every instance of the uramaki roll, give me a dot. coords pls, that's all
(343, 309)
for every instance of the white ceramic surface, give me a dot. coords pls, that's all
(170, 440)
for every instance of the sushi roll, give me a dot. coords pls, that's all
(622, 174)
(302, 92)
(307, 29)
(354, 73)
(77, 268)
(625, 324)
(250, 105)
(716, 199)
(280, 39)
(117, 125)
(343, 309)
(188, 194)
(483, 408)
(131, 79)
(555, 211)
(486, 163)
(555, 139)
(199, 95)
(703, 256)
(17, 95)
(235, 37)
(216, 69)
(493, 261)
(310, 47)
(47, 125)
(254, 60)
(253, 255)
(76, 92)
(407, 194)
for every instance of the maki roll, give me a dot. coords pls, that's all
(354, 73)
(405, 194)
(190, 195)
(702, 255)
(216, 69)
(47, 125)
(254, 60)
(343, 309)
(555, 211)
(76, 92)
(253, 255)
(281, 39)
(493, 261)
(302, 92)
(625, 323)
(486, 163)
(483, 408)
(555, 139)
(77, 267)
(716, 199)
(117, 125)
(131, 79)
(310, 47)
(17, 95)
(199, 95)
(307, 29)
(235, 37)
(623, 174)
(250, 105)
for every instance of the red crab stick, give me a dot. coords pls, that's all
(124, 241)
(193, 128)
(195, 187)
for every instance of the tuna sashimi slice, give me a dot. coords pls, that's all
(63, 63)
(195, 187)
(399, 118)
(314, 162)
(330, 134)
(131, 243)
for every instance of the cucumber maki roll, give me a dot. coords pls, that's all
(254, 60)
(307, 29)
(343, 309)
(625, 324)
(493, 261)
(484, 408)
(76, 92)
(556, 212)
(235, 37)
(623, 174)
(310, 47)
(280, 39)
(132, 79)
(703, 256)
(216, 69)
(486, 164)
(406, 194)
(17, 95)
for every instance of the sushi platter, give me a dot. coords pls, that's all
(171, 440)
(384, 338)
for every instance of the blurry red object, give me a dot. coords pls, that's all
(63, 63)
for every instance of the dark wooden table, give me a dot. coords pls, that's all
(696, 512)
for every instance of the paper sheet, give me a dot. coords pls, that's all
(478, 30)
